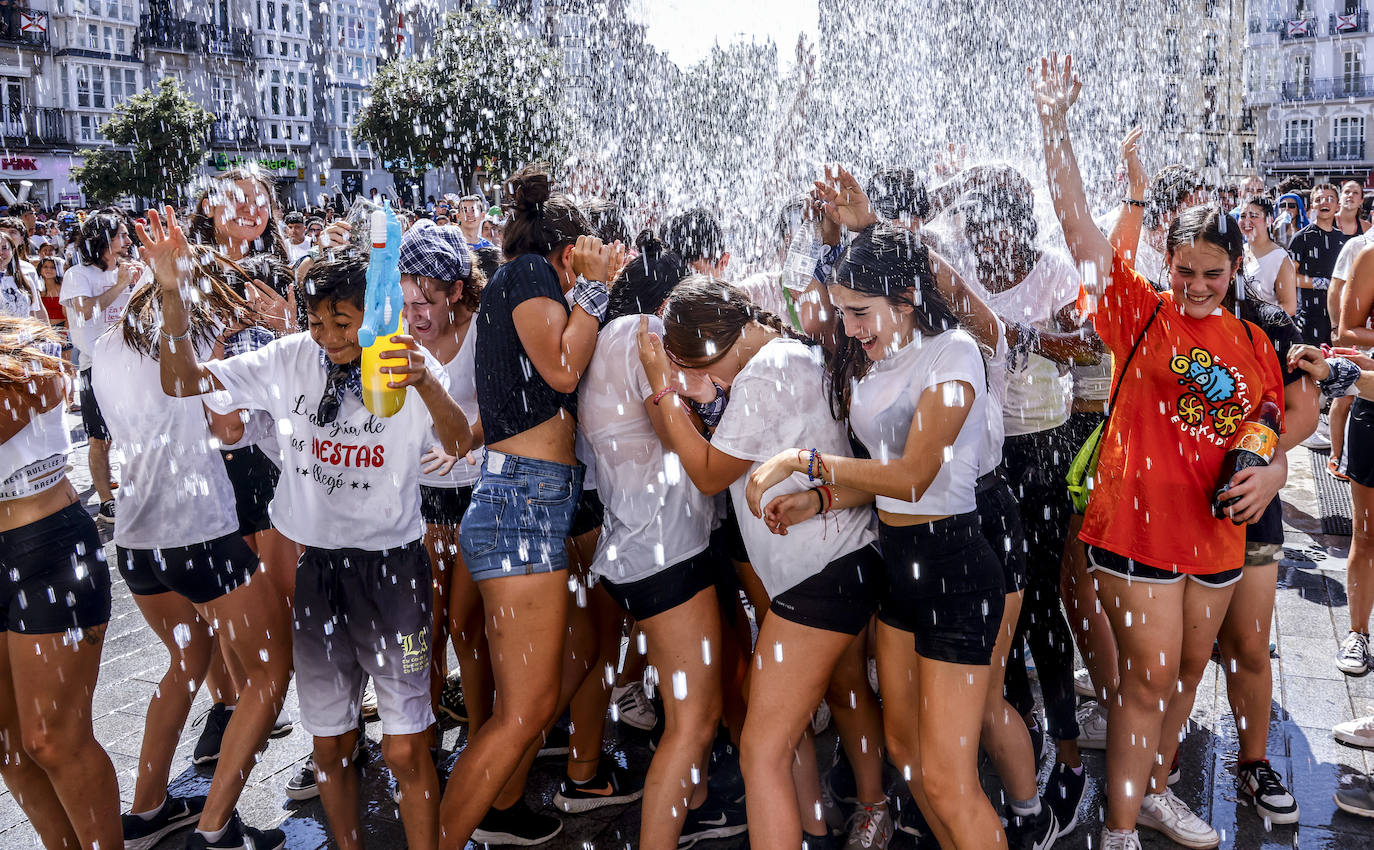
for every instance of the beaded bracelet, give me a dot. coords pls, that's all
(658, 396)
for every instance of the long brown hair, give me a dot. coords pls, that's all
(202, 222)
(214, 305)
(704, 317)
(30, 351)
(541, 220)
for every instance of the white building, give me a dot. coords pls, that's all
(1309, 82)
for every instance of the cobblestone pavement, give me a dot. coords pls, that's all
(1310, 695)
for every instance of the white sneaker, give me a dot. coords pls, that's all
(820, 718)
(1118, 840)
(1092, 726)
(1168, 814)
(631, 706)
(1083, 683)
(1353, 657)
(1320, 439)
(1357, 733)
(873, 674)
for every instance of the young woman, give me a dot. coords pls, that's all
(1291, 218)
(1268, 267)
(814, 555)
(17, 296)
(531, 350)
(54, 606)
(1348, 217)
(182, 557)
(1198, 373)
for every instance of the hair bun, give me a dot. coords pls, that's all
(649, 244)
(529, 188)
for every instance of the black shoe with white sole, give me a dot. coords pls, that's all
(611, 786)
(713, 820)
(212, 735)
(1259, 784)
(236, 836)
(1032, 832)
(518, 825)
(1064, 794)
(140, 833)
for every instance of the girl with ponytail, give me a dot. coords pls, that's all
(814, 554)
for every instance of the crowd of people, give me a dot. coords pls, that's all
(860, 486)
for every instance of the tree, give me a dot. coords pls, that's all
(160, 140)
(486, 96)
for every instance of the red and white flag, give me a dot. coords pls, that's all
(33, 22)
(400, 30)
(1299, 27)
(1345, 23)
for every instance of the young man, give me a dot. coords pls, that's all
(297, 243)
(471, 212)
(350, 497)
(1315, 249)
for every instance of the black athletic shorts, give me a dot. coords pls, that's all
(1359, 443)
(840, 598)
(91, 419)
(667, 588)
(254, 477)
(588, 515)
(1123, 567)
(944, 585)
(444, 505)
(201, 573)
(53, 575)
(1001, 522)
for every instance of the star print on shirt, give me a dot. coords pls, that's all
(355, 485)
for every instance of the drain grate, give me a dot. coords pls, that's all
(1333, 495)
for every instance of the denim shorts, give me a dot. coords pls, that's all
(521, 512)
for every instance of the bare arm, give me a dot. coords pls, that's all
(1286, 286)
(169, 255)
(1301, 406)
(1125, 235)
(1357, 299)
(18, 404)
(973, 312)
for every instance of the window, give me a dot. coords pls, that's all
(1171, 116)
(286, 17)
(99, 87)
(1247, 154)
(1211, 60)
(284, 93)
(88, 128)
(353, 68)
(1297, 140)
(1347, 138)
(222, 96)
(1211, 8)
(1172, 61)
(122, 10)
(1302, 75)
(1213, 157)
(1352, 68)
(1209, 105)
(123, 84)
(349, 104)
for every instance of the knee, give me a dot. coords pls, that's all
(52, 748)
(405, 753)
(947, 792)
(334, 751)
(764, 746)
(1153, 684)
(904, 755)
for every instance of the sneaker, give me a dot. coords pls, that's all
(106, 514)
(1064, 792)
(1092, 727)
(140, 833)
(839, 783)
(1358, 799)
(519, 825)
(869, 828)
(611, 786)
(1357, 733)
(713, 820)
(1083, 683)
(451, 699)
(828, 841)
(1118, 840)
(1260, 784)
(303, 785)
(1032, 832)
(1353, 657)
(1320, 439)
(724, 777)
(368, 705)
(631, 706)
(239, 837)
(1167, 814)
(283, 725)
(214, 721)
(873, 674)
(1037, 736)
(556, 743)
(820, 718)
(911, 821)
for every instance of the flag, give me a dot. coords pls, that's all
(1300, 27)
(36, 22)
(1345, 23)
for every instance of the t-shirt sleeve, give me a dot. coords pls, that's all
(1067, 284)
(1272, 377)
(1347, 258)
(243, 379)
(1125, 308)
(957, 360)
(759, 398)
(532, 277)
(76, 283)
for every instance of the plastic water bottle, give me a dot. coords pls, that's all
(803, 252)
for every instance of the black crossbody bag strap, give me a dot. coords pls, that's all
(1111, 402)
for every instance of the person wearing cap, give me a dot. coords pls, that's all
(470, 213)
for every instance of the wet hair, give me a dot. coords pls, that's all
(343, 278)
(897, 193)
(645, 282)
(213, 306)
(1206, 224)
(21, 209)
(293, 217)
(267, 268)
(893, 263)
(1168, 189)
(1294, 183)
(21, 248)
(202, 221)
(29, 352)
(703, 317)
(1264, 202)
(695, 235)
(55, 268)
(97, 232)
(488, 259)
(1324, 187)
(1007, 206)
(607, 221)
(540, 220)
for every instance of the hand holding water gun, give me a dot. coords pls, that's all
(382, 316)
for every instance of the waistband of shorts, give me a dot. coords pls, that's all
(70, 515)
(938, 528)
(336, 554)
(510, 466)
(988, 482)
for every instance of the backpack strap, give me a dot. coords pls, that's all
(1111, 402)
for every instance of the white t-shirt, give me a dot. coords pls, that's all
(85, 281)
(353, 483)
(462, 385)
(779, 401)
(295, 252)
(655, 517)
(994, 432)
(1263, 272)
(765, 290)
(16, 296)
(1349, 250)
(1038, 396)
(173, 488)
(884, 404)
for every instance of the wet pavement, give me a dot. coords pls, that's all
(1310, 696)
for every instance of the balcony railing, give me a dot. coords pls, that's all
(24, 27)
(22, 124)
(1289, 33)
(234, 131)
(161, 32)
(1348, 150)
(1257, 26)
(228, 42)
(1295, 152)
(1360, 23)
(1329, 88)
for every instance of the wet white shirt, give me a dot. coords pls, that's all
(86, 281)
(462, 386)
(654, 516)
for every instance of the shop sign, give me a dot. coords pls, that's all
(18, 163)
(224, 162)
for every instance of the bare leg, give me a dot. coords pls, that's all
(859, 719)
(337, 776)
(99, 461)
(1092, 631)
(1360, 568)
(1244, 643)
(1005, 736)
(28, 782)
(410, 762)
(469, 637)
(593, 696)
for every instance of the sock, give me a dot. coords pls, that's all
(212, 837)
(1025, 808)
(1251, 763)
(153, 812)
(1122, 831)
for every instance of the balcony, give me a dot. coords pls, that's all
(24, 27)
(1287, 33)
(1328, 88)
(234, 131)
(1347, 150)
(1295, 152)
(1359, 24)
(226, 42)
(161, 32)
(1257, 26)
(22, 124)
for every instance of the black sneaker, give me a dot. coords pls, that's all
(1064, 794)
(283, 724)
(304, 785)
(1260, 784)
(451, 699)
(1032, 832)
(176, 812)
(829, 841)
(910, 819)
(518, 825)
(724, 778)
(1037, 736)
(207, 748)
(713, 820)
(556, 743)
(239, 837)
(840, 783)
(611, 786)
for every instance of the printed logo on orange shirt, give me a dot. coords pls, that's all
(1212, 405)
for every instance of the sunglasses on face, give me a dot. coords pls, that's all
(1288, 206)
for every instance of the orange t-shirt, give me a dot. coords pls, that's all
(1190, 385)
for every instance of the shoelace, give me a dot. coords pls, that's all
(636, 699)
(1179, 808)
(1356, 648)
(867, 825)
(1267, 781)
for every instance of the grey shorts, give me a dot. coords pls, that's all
(360, 613)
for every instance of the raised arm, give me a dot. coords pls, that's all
(1125, 235)
(1357, 302)
(1055, 88)
(973, 312)
(169, 255)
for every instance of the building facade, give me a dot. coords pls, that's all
(1309, 84)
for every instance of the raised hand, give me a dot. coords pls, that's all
(652, 355)
(412, 370)
(595, 260)
(843, 200)
(1054, 87)
(1137, 180)
(165, 249)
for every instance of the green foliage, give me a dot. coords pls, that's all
(165, 133)
(487, 94)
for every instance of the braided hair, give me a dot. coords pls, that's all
(704, 317)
